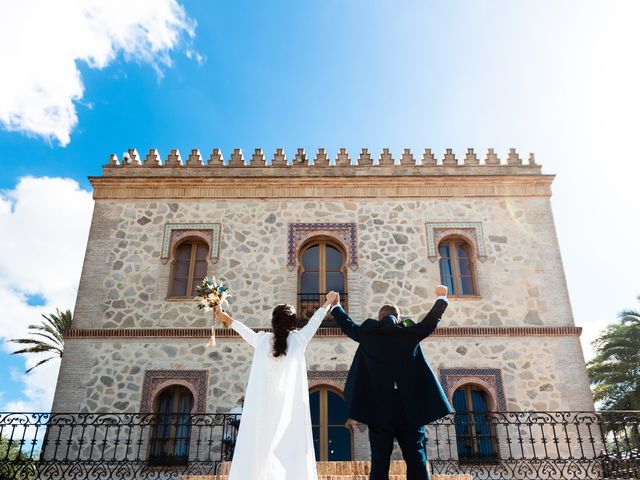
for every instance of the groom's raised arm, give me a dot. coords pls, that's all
(430, 321)
(348, 326)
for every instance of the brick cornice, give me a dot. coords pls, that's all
(323, 332)
(389, 185)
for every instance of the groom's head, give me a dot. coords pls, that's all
(388, 309)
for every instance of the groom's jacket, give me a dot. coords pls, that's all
(389, 355)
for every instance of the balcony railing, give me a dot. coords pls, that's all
(114, 445)
(509, 445)
(308, 303)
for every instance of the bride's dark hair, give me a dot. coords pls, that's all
(283, 321)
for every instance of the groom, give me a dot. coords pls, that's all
(390, 386)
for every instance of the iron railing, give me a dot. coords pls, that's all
(308, 303)
(114, 445)
(505, 445)
(537, 445)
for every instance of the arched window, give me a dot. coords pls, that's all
(456, 267)
(172, 430)
(332, 438)
(189, 268)
(475, 433)
(322, 269)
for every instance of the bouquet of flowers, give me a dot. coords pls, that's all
(211, 293)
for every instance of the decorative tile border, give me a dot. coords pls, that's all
(157, 380)
(175, 231)
(322, 332)
(345, 233)
(334, 378)
(489, 378)
(327, 374)
(470, 231)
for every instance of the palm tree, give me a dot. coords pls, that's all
(51, 330)
(615, 369)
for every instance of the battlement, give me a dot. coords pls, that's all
(345, 176)
(302, 164)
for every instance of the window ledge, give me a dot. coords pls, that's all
(465, 297)
(178, 299)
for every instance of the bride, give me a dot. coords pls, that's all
(275, 440)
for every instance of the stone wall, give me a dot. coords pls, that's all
(521, 281)
(538, 373)
(107, 376)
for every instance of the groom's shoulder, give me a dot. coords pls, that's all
(369, 323)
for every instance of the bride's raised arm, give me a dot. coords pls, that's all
(309, 330)
(245, 332)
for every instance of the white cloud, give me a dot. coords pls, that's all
(45, 224)
(42, 42)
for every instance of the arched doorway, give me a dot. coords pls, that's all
(332, 438)
(475, 433)
(172, 430)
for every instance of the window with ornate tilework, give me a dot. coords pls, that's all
(474, 394)
(189, 267)
(476, 438)
(171, 433)
(457, 268)
(457, 247)
(322, 267)
(189, 247)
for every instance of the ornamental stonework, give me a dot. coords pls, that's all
(174, 233)
(157, 380)
(345, 233)
(470, 231)
(489, 379)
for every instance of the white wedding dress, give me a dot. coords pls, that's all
(275, 440)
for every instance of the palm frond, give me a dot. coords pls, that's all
(41, 348)
(47, 336)
(25, 340)
(53, 340)
(41, 362)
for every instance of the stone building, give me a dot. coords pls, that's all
(379, 230)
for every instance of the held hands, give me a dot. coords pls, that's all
(332, 298)
(441, 291)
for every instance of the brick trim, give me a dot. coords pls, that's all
(323, 332)
(392, 182)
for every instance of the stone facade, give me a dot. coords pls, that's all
(521, 281)
(126, 274)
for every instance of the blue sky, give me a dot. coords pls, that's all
(558, 78)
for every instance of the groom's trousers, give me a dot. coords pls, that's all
(411, 441)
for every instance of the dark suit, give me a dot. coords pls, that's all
(389, 355)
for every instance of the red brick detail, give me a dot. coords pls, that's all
(323, 332)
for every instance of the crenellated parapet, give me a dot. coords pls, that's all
(319, 174)
(322, 159)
